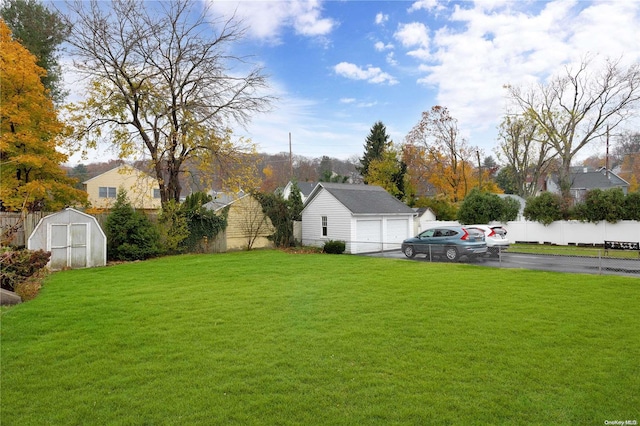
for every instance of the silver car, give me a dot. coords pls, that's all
(451, 242)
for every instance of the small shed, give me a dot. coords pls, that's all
(75, 240)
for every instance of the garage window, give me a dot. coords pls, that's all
(324, 226)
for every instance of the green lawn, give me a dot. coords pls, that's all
(573, 251)
(292, 339)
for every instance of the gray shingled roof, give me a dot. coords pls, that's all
(306, 187)
(365, 199)
(592, 179)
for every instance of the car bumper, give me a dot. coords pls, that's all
(475, 250)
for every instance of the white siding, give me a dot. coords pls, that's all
(338, 221)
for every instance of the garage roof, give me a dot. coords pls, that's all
(362, 199)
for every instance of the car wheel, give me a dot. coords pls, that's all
(451, 253)
(409, 252)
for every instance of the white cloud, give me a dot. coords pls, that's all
(391, 60)
(380, 46)
(426, 5)
(381, 18)
(370, 74)
(413, 34)
(347, 100)
(267, 19)
(490, 44)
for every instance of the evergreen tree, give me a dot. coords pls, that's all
(130, 234)
(295, 202)
(375, 146)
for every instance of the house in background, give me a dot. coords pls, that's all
(366, 217)
(424, 219)
(584, 179)
(304, 187)
(247, 225)
(143, 190)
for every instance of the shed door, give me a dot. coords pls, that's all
(58, 237)
(368, 236)
(68, 245)
(78, 245)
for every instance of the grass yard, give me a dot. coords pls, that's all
(274, 338)
(573, 251)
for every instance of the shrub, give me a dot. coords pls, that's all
(510, 209)
(334, 247)
(602, 205)
(174, 228)
(632, 206)
(201, 222)
(480, 207)
(17, 266)
(545, 208)
(280, 213)
(130, 234)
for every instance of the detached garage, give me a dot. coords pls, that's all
(75, 240)
(367, 218)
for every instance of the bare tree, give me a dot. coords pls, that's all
(253, 221)
(576, 107)
(162, 84)
(528, 152)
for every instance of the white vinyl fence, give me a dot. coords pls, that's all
(568, 232)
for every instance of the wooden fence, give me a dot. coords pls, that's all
(24, 225)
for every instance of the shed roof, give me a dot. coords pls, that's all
(362, 199)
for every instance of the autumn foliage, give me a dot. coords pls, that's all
(30, 132)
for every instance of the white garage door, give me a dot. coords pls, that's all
(396, 232)
(368, 236)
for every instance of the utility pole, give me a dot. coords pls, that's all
(479, 171)
(606, 156)
(290, 159)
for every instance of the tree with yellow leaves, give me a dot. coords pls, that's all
(448, 156)
(30, 133)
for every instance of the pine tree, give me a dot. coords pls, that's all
(375, 146)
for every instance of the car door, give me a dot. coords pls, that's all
(439, 240)
(426, 238)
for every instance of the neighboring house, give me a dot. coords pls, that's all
(143, 190)
(584, 179)
(247, 225)
(304, 187)
(366, 217)
(423, 220)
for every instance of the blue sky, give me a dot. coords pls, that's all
(337, 67)
(340, 66)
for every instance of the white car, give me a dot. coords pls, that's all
(495, 236)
